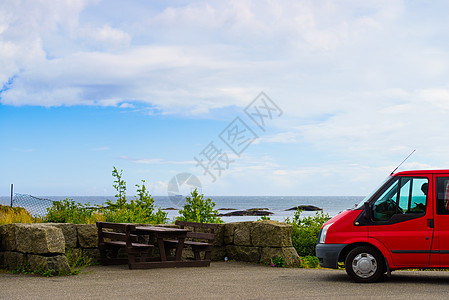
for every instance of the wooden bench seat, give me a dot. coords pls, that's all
(192, 243)
(123, 244)
(114, 236)
(201, 239)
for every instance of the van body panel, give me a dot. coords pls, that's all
(328, 254)
(383, 249)
(409, 242)
(407, 220)
(441, 238)
(340, 215)
(343, 230)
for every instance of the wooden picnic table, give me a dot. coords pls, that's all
(161, 233)
(165, 260)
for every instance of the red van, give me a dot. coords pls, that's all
(403, 224)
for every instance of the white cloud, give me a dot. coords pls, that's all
(438, 97)
(127, 105)
(107, 34)
(25, 24)
(364, 82)
(161, 161)
(160, 188)
(317, 180)
(235, 61)
(283, 137)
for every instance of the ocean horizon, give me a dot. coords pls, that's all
(278, 205)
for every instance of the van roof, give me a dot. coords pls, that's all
(417, 172)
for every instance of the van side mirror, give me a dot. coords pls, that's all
(367, 209)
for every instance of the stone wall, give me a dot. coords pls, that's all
(45, 244)
(257, 241)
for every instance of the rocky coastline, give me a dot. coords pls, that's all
(264, 211)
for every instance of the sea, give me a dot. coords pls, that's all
(278, 205)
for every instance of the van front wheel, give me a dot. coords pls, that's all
(364, 264)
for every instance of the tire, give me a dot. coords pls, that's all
(364, 264)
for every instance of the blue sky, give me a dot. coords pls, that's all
(146, 86)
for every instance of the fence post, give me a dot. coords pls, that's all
(12, 190)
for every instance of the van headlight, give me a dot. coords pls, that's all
(324, 232)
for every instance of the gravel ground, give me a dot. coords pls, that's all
(230, 280)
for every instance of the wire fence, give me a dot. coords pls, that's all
(36, 206)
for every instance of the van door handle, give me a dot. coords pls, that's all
(430, 223)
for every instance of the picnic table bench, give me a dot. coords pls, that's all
(201, 239)
(113, 236)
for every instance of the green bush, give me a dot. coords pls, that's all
(309, 262)
(78, 260)
(69, 211)
(305, 231)
(134, 213)
(198, 209)
(277, 261)
(139, 210)
(264, 218)
(120, 186)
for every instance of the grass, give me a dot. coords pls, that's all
(26, 269)
(10, 215)
(77, 259)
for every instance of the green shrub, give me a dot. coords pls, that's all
(198, 209)
(309, 262)
(264, 218)
(305, 231)
(69, 211)
(120, 186)
(78, 260)
(278, 261)
(139, 210)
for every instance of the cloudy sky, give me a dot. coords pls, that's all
(154, 87)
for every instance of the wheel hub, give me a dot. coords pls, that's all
(364, 265)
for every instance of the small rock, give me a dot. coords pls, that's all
(305, 208)
(239, 213)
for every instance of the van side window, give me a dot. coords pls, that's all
(407, 195)
(412, 196)
(385, 206)
(443, 195)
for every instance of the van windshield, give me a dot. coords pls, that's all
(372, 193)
